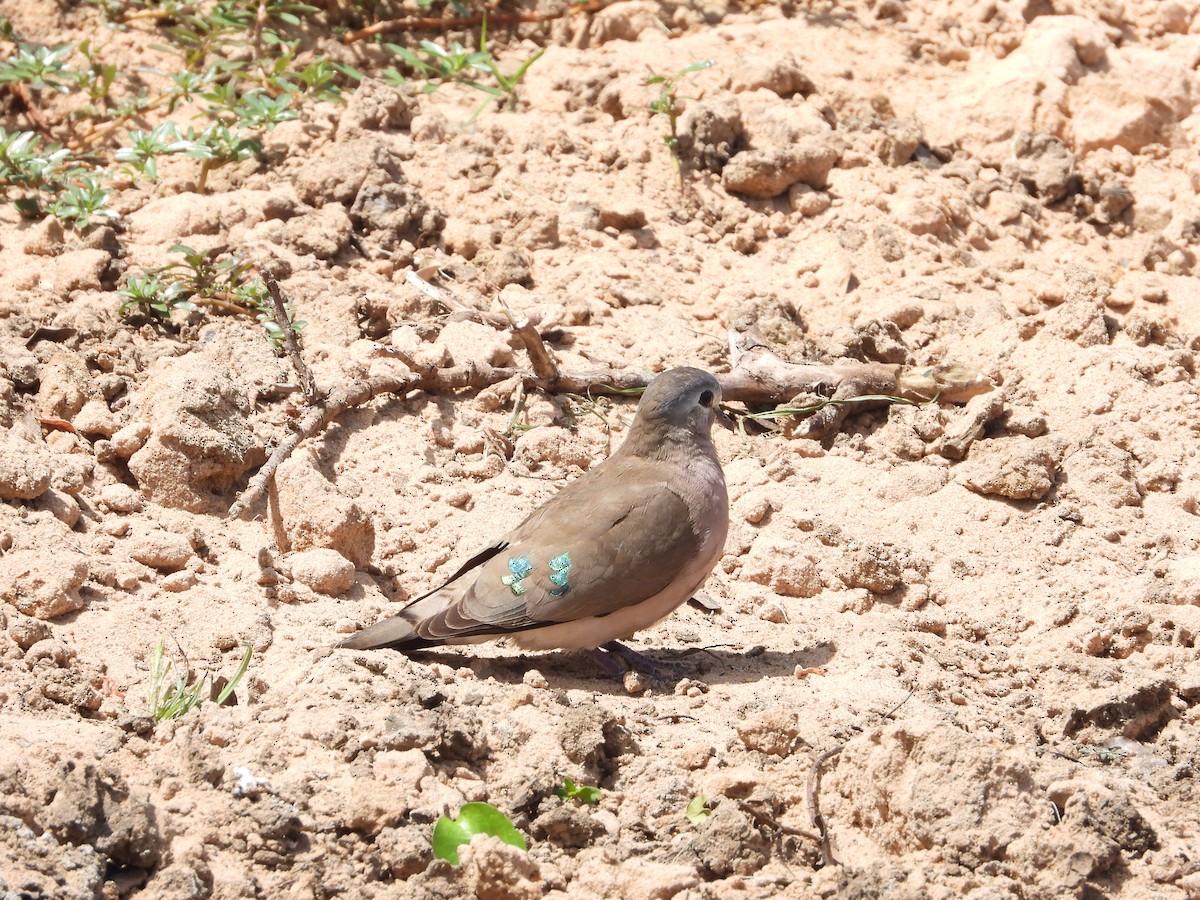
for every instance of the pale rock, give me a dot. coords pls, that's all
(322, 570)
(120, 498)
(162, 550)
(25, 471)
(43, 583)
(61, 505)
(316, 514)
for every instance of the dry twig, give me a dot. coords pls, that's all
(758, 376)
(308, 385)
(813, 792)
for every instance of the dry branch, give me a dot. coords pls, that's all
(758, 376)
(814, 804)
(308, 385)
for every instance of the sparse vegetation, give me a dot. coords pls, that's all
(173, 692)
(204, 279)
(237, 99)
(667, 104)
(582, 792)
(473, 818)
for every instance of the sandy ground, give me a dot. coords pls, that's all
(991, 608)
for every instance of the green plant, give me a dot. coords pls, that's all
(572, 791)
(697, 809)
(40, 67)
(150, 295)
(217, 146)
(459, 65)
(473, 818)
(23, 164)
(667, 104)
(202, 278)
(82, 201)
(173, 693)
(146, 146)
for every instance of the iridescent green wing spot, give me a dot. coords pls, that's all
(519, 568)
(560, 573)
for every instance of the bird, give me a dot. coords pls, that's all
(615, 551)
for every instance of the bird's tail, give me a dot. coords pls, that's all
(398, 632)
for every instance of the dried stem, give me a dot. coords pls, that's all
(308, 385)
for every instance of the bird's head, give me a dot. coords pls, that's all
(679, 405)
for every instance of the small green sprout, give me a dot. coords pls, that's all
(172, 693)
(473, 818)
(572, 791)
(150, 295)
(666, 104)
(82, 202)
(40, 67)
(697, 809)
(146, 146)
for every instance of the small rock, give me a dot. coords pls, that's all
(43, 583)
(622, 215)
(62, 506)
(535, 679)
(494, 870)
(872, 567)
(316, 514)
(768, 173)
(64, 388)
(807, 200)
(773, 733)
(95, 419)
(1014, 467)
(178, 582)
(27, 631)
(129, 440)
(783, 567)
(322, 570)
(754, 507)
(24, 468)
(162, 550)
(781, 75)
(635, 682)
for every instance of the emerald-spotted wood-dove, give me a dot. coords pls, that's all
(615, 551)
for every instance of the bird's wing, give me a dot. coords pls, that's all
(598, 546)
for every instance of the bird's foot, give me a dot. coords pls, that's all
(616, 659)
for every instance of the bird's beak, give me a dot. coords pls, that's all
(723, 419)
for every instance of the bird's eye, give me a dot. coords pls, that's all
(706, 399)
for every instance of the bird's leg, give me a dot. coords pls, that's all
(618, 654)
(612, 666)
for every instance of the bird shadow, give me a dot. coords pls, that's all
(718, 664)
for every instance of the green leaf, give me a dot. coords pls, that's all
(572, 791)
(697, 810)
(473, 819)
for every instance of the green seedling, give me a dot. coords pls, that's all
(457, 64)
(152, 296)
(697, 810)
(572, 791)
(40, 68)
(667, 104)
(473, 818)
(173, 693)
(146, 146)
(202, 279)
(82, 202)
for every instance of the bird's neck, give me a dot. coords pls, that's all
(663, 444)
